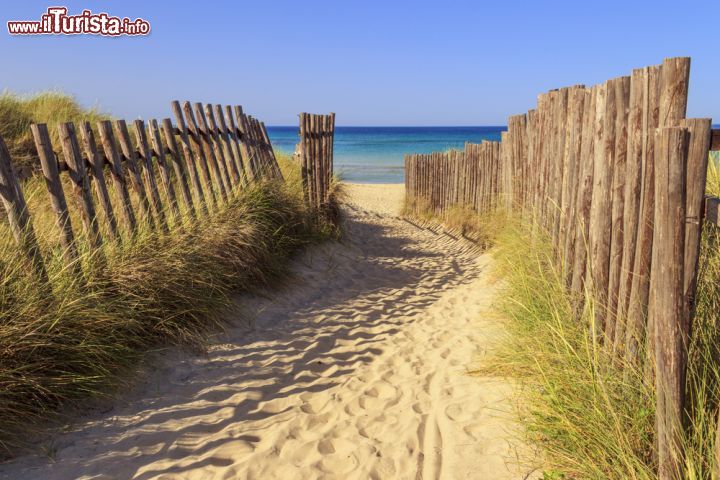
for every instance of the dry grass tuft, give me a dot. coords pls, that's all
(18, 112)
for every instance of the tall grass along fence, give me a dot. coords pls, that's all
(134, 236)
(222, 150)
(615, 176)
(317, 135)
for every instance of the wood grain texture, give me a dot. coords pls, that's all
(199, 128)
(18, 215)
(697, 165)
(640, 289)
(97, 172)
(600, 210)
(49, 165)
(107, 137)
(237, 146)
(712, 211)
(191, 163)
(230, 149)
(247, 150)
(158, 150)
(196, 143)
(77, 172)
(219, 150)
(668, 305)
(133, 171)
(622, 109)
(148, 173)
(631, 209)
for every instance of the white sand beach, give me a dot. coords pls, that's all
(356, 369)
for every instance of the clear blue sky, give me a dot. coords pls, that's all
(372, 62)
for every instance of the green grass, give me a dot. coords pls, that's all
(18, 112)
(89, 336)
(592, 419)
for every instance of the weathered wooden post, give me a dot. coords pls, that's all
(97, 172)
(107, 137)
(667, 303)
(128, 151)
(49, 165)
(18, 216)
(148, 173)
(158, 149)
(198, 129)
(633, 183)
(189, 150)
(81, 185)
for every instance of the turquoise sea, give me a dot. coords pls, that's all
(375, 154)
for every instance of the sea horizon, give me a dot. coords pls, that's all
(374, 154)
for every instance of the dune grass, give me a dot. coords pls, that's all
(18, 112)
(480, 229)
(88, 337)
(594, 418)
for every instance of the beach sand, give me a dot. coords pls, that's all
(356, 369)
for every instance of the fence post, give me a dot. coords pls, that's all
(111, 152)
(640, 286)
(200, 132)
(190, 150)
(209, 127)
(49, 165)
(246, 143)
(271, 152)
(18, 215)
(622, 100)
(237, 146)
(190, 133)
(81, 185)
(667, 307)
(261, 152)
(128, 152)
(697, 164)
(672, 105)
(231, 154)
(331, 147)
(576, 109)
(304, 156)
(98, 175)
(633, 185)
(182, 170)
(148, 172)
(600, 220)
(159, 151)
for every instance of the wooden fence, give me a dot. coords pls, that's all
(196, 167)
(614, 175)
(317, 136)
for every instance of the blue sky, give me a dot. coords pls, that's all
(372, 62)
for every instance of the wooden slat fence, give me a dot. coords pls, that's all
(614, 175)
(317, 136)
(222, 151)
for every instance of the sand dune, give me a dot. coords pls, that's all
(356, 370)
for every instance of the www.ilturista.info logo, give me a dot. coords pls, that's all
(57, 22)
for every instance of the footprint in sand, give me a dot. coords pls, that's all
(339, 456)
(314, 404)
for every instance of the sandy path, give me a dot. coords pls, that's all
(356, 370)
